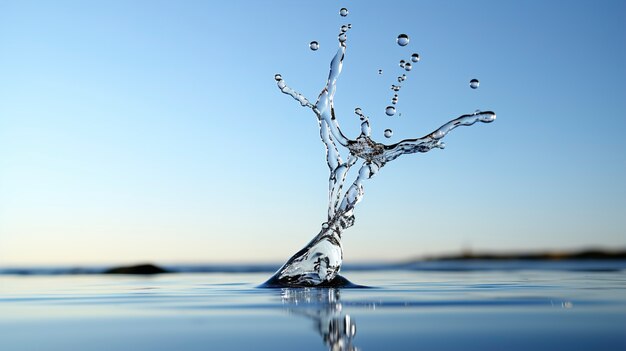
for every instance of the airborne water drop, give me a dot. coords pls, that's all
(343, 12)
(388, 133)
(408, 66)
(402, 40)
(314, 45)
(474, 83)
(390, 110)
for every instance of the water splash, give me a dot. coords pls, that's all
(319, 262)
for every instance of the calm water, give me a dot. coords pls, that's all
(477, 309)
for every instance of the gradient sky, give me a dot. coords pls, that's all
(153, 130)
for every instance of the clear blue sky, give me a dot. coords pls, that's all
(153, 130)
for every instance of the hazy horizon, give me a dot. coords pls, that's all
(396, 260)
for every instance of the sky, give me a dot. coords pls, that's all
(135, 131)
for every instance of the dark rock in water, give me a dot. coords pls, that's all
(138, 269)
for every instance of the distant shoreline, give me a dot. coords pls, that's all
(588, 260)
(532, 256)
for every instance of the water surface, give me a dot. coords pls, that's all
(476, 309)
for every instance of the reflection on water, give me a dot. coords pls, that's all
(323, 306)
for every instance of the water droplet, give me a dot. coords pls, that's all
(390, 110)
(349, 25)
(487, 117)
(278, 77)
(403, 39)
(380, 71)
(400, 79)
(314, 45)
(358, 111)
(343, 12)
(394, 100)
(402, 63)
(415, 57)
(395, 95)
(325, 225)
(474, 83)
(388, 133)
(403, 77)
(408, 66)
(395, 87)
(342, 37)
(344, 28)
(438, 134)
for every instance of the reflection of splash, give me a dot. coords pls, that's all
(324, 307)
